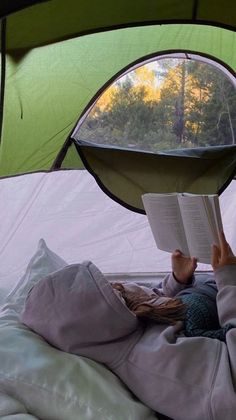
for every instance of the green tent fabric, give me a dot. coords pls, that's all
(53, 20)
(50, 74)
(199, 171)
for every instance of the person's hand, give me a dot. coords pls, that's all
(222, 255)
(183, 267)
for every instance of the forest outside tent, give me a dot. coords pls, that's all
(166, 104)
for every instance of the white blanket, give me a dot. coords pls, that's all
(12, 409)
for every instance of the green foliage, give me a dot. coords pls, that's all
(196, 106)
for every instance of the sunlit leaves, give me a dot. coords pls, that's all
(177, 103)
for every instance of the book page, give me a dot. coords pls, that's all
(165, 220)
(200, 225)
(218, 225)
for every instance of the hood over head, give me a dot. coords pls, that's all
(76, 310)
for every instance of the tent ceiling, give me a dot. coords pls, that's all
(54, 20)
(48, 88)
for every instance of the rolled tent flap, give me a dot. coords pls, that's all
(125, 175)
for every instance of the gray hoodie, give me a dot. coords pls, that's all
(77, 310)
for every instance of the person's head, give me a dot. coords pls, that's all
(161, 309)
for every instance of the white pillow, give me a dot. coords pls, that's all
(49, 383)
(43, 262)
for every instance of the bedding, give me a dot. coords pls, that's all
(11, 409)
(37, 381)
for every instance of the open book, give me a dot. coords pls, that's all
(188, 222)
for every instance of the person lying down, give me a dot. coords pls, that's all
(175, 349)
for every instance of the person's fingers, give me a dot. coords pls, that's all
(215, 255)
(194, 262)
(224, 246)
(230, 252)
(177, 253)
(176, 256)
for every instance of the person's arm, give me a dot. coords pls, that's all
(224, 267)
(182, 274)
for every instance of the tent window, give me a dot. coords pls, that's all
(171, 102)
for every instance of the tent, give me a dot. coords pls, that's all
(81, 48)
(57, 58)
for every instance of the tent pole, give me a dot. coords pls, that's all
(3, 72)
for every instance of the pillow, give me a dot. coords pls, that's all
(49, 383)
(43, 262)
